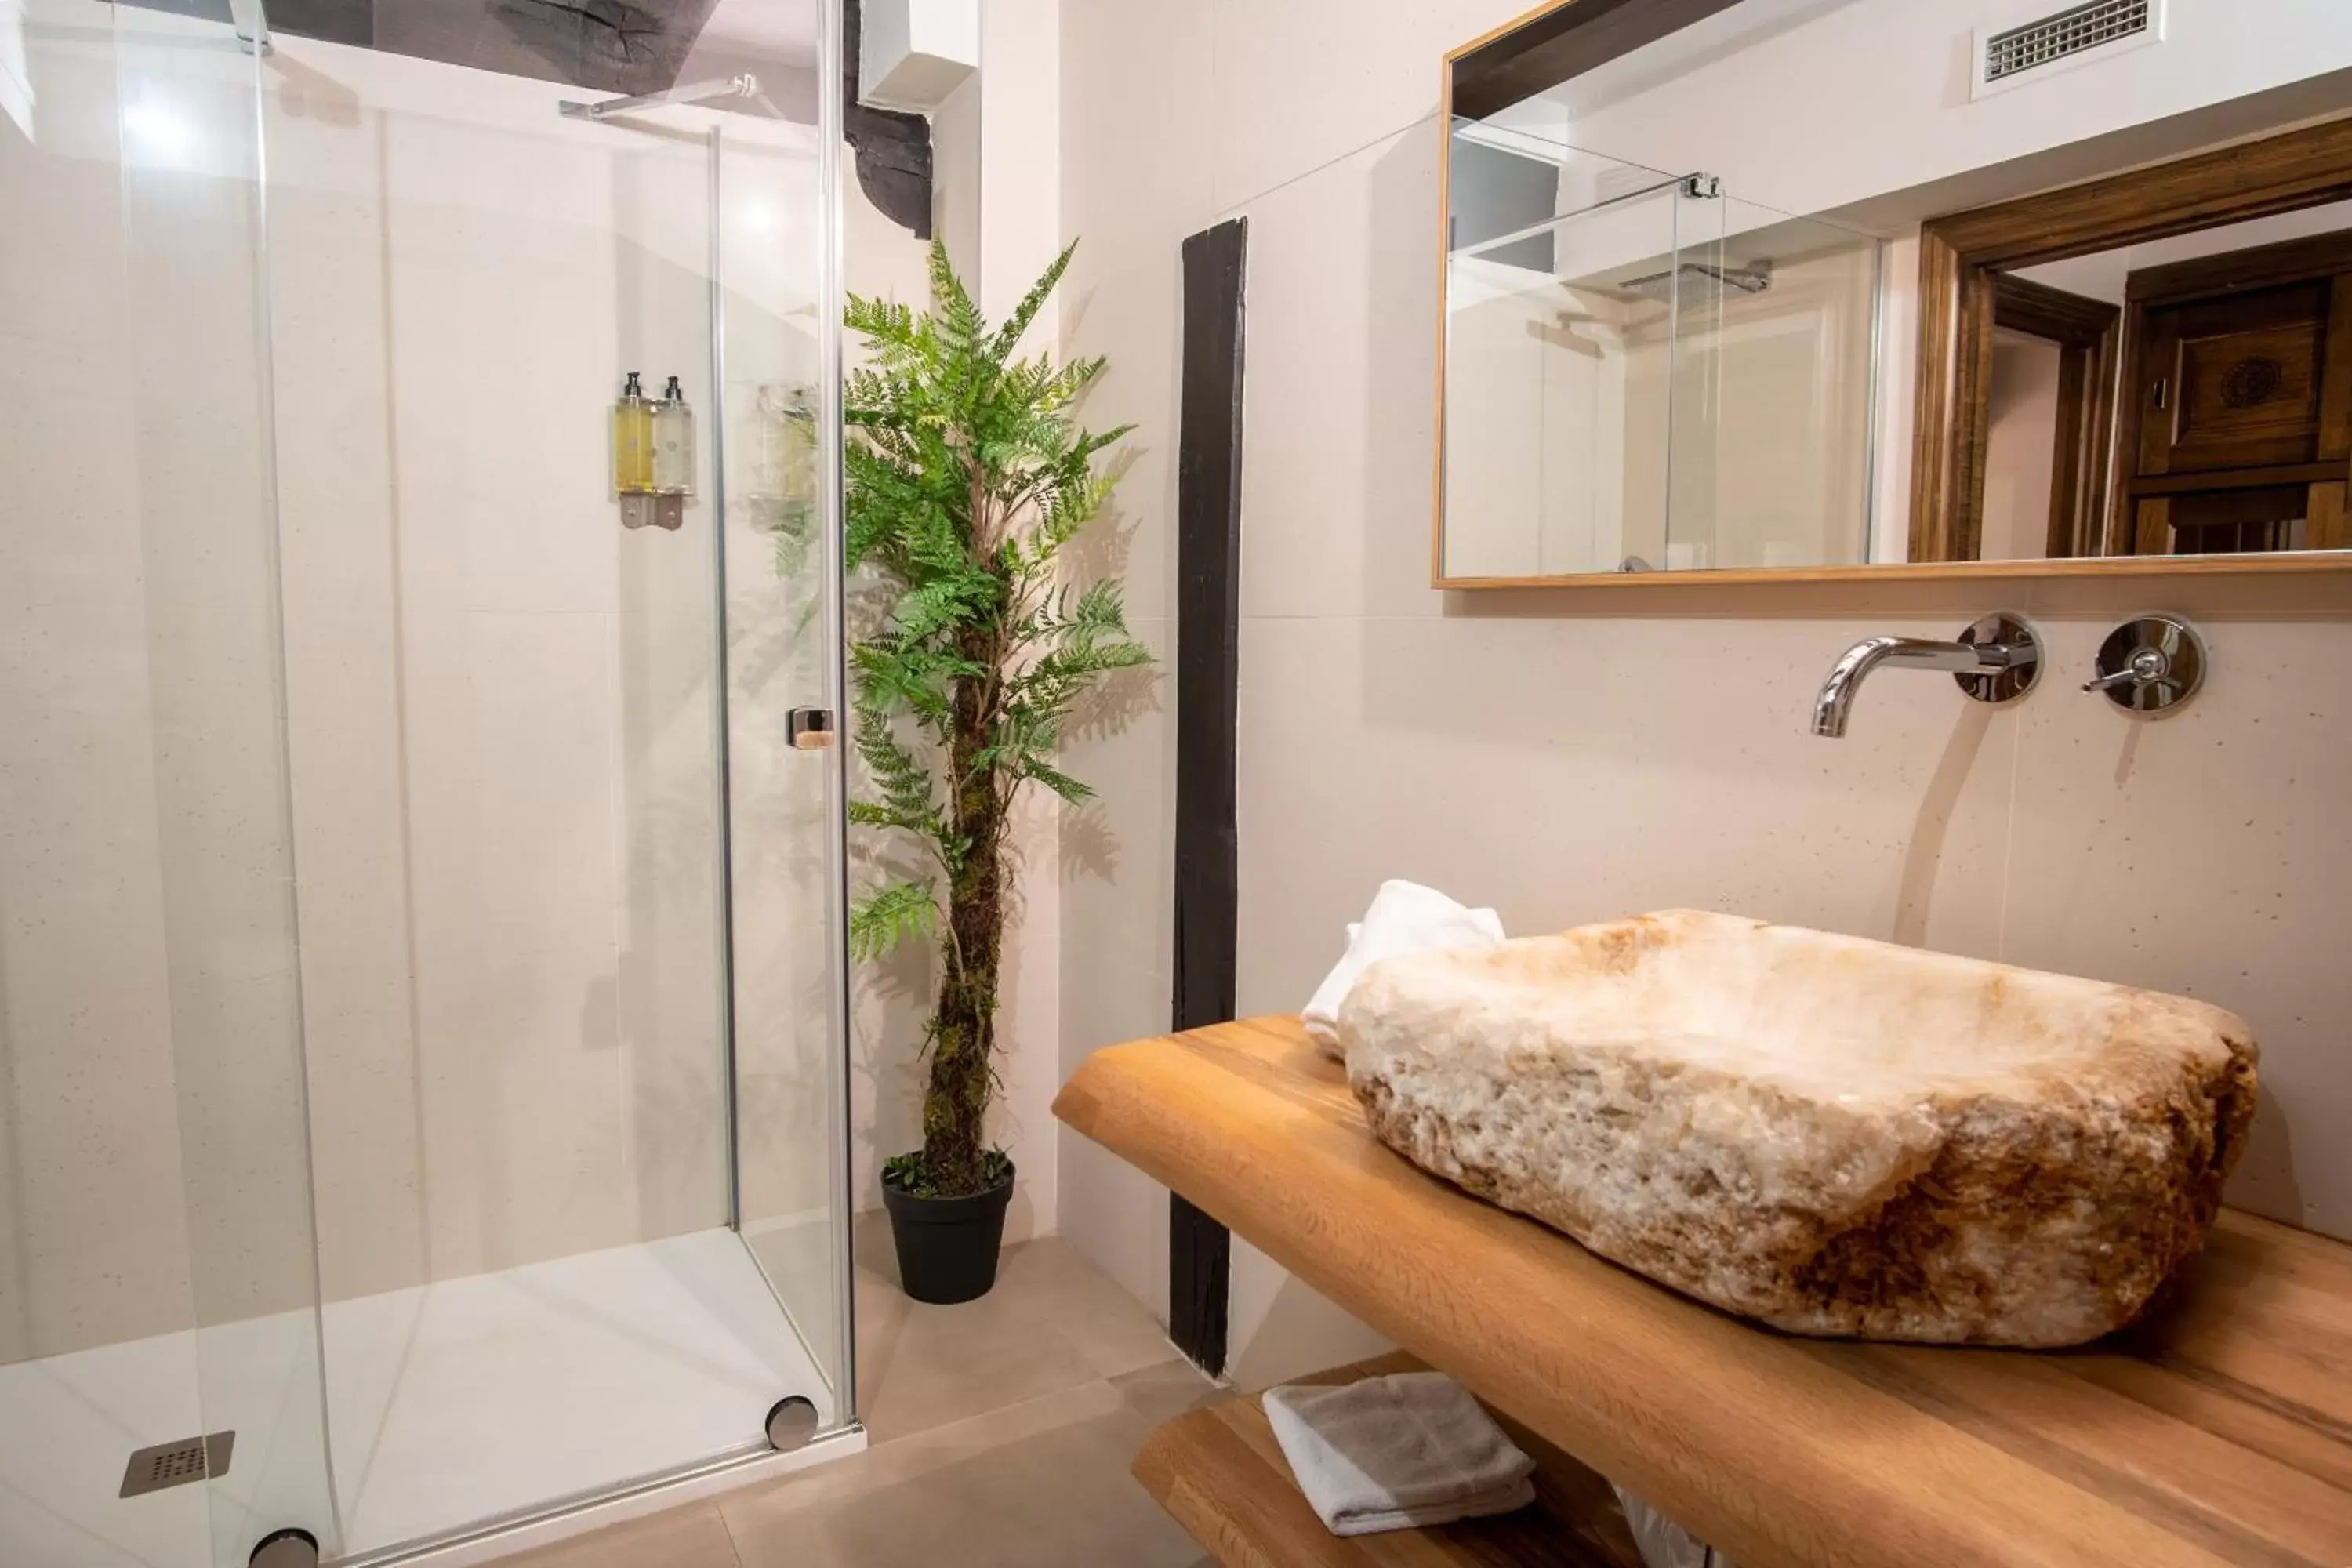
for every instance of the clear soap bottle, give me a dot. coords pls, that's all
(673, 443)
(633, 441)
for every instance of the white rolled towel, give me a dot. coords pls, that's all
(1405, 917)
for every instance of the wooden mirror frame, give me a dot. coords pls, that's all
(1964, 259)
(1958, 256)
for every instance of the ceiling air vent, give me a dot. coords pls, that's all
(2079, 35)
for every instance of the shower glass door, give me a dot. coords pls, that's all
(159, 1392)
(572, 973)
(781, 353)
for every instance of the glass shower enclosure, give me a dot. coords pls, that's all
(422, 1087)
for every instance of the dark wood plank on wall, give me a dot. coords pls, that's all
(1208, 618)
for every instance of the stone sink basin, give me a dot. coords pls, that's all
(1834, 1136)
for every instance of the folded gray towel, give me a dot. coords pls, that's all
(1397, 1453)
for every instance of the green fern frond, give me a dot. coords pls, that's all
(1010, 333)
(1060, 783)
(888, 916)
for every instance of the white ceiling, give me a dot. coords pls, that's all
(775, 29)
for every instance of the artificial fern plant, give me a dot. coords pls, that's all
(966, 476)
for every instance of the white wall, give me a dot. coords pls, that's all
(996, 205)
(1568, 756)
(1020, 234)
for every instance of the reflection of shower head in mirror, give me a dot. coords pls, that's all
(1751, 279)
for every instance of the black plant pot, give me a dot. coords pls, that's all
(948, 1246)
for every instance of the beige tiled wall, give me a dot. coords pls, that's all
(1569, 755)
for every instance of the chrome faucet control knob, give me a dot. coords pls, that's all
(2150, 665)
(2146, 665)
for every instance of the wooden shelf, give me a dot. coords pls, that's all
(1220, 1473)
(2218, 1431)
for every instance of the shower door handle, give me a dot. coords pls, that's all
(811, 729)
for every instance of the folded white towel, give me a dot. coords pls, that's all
(1405, 917)
(1397, 1453)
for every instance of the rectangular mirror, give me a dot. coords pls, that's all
(1801, 287)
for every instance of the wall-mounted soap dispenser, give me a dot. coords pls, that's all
(673, 455)
(633, 454)
(673, 443)
(779, 446)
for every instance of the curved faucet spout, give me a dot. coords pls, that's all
(1834, 702)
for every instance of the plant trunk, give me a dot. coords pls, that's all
(963, 1037)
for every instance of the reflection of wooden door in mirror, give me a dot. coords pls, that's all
(2306, 169)
(2086, 333)
(2237, 433)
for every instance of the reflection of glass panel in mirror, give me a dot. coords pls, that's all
(1645, 373)
(1556, 371)
(2188, 396)
(1774, 341)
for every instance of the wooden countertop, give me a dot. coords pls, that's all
(2218, 1431)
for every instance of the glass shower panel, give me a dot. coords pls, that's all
(96, 1317)
(196, 275)
(160, 1294)
(509, 715)
(780, 341)
(1774, 358)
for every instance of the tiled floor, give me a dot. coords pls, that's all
(1002, 1432)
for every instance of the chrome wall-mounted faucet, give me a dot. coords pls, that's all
(1996, 659)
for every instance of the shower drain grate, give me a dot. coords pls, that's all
(175, 1464)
